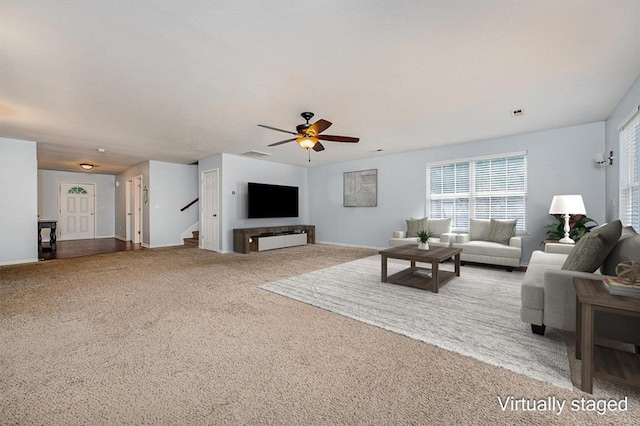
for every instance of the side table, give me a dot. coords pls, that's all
(599, 361)
(51, 224)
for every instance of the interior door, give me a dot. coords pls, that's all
(136, 216)
(128, 209)
(77, 211)
(209, 217)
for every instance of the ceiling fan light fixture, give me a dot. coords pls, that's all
(307, 142)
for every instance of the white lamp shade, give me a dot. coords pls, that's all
(567, 204)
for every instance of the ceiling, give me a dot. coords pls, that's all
(178, 81)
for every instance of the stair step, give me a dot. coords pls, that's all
(191, 242)
(196, 234)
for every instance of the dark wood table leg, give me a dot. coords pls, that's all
(39, 238)
(578, 329)
(457, 260)
(384, 267)
(586, 381)
(435, 276)
(52, 237)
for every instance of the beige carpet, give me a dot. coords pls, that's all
(185, 336)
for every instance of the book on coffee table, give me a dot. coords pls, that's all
(422, 273)
(616, 286)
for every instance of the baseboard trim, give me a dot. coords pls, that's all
(351, 245)
(18, 262)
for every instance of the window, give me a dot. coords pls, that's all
(630, 171)
(76, 190)
(479, 188)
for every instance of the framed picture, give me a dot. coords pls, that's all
(361, 188)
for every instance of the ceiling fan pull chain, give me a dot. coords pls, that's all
(309, 151)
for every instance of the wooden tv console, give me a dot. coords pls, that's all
(247, 239)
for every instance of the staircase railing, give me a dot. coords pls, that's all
(189, 205)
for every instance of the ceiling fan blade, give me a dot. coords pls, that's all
(333, 138)
(320, 126)
(276, 129)
(281, 142)
(318, 147)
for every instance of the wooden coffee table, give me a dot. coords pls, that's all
(418, 277)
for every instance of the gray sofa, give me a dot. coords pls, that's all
(492, 242)
(549, 298)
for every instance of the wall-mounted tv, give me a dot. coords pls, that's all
(267, 200)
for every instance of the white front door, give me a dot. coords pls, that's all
(77, 211)
(209, 217)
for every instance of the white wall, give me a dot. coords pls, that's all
(18, 202)
(171, 187)
(48, 187)
(629, 101)
(235, 173)
(560, 161)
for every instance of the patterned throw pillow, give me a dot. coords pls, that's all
(501, 231)
(592, 249)
(416, 225)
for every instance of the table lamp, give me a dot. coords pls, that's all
(566, 205)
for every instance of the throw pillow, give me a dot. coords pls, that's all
(479, 229)
(627, 248)
(439, 226)
(501, 231)
(592, 249)
(416, 225)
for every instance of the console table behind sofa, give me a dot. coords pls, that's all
(241, 236)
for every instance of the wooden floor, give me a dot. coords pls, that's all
(76, 248)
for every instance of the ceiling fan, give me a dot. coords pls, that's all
(308, 135)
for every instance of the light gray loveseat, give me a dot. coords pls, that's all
(547, 292)
(440, 228)
(492, 242)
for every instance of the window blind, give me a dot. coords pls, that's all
(483, 188)
(629, 182)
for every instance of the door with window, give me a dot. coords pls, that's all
(77, 211)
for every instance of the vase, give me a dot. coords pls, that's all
(423, 246)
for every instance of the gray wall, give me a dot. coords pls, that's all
(48, 187)
(235, 173)
(559, 161)
(18, 201)
(171, 187)
(628, 102)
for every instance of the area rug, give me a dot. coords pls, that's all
(476, 314)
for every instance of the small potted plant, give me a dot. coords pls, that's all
(423, 239)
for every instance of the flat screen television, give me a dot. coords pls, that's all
(267, 200)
